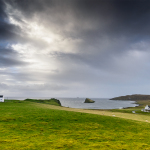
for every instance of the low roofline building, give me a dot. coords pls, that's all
(147, 109)
(1, 98)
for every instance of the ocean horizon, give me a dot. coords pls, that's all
(100, 103)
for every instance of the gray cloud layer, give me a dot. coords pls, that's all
(75, 47)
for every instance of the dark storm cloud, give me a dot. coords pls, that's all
(123, 22)
(7, 30)
(8, 34)
(108, 17)
(7, 52)
(127, 19)
(132, 18)
(2, 12)
(115, 20)
(9, 62)
(10, 58)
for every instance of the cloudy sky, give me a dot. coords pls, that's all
(74, 48)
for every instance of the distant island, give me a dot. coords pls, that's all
(134, 97)
(87, 100)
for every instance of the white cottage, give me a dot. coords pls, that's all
(1, 98)
(147, 109)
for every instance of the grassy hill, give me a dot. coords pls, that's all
(25, 126)
(51, 101)
(134, 97)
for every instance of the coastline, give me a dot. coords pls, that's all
(100, 103)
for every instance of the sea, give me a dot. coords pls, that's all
(100, 103)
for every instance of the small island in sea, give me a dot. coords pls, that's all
(134, 97)
(87, 100)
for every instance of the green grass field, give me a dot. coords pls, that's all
(25, 126)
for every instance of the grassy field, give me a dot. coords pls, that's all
(25, 125)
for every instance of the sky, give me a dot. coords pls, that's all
(74, 48)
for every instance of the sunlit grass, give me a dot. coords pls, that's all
(25, 126)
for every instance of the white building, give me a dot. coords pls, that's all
(1, 98)
(147, 109)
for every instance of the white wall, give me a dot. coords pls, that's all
(2, 99)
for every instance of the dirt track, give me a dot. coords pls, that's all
(136, 117)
